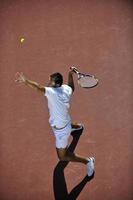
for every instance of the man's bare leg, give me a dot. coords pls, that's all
(65, 155)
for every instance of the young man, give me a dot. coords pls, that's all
(58, 96)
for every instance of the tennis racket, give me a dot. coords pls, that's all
(85, 80)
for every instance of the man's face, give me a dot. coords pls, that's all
(51, 82)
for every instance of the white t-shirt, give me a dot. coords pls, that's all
(58, 104)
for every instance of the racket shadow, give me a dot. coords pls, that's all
(59, 182)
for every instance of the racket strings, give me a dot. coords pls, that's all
(87, 81)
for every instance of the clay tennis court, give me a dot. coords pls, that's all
(97, 37)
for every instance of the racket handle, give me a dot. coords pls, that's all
(74, 69)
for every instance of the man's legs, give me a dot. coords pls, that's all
(65, 155)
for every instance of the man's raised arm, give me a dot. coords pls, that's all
(22, 79)
(70, 80)
(35, 85)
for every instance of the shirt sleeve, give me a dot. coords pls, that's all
(69, 89)
(48, 91)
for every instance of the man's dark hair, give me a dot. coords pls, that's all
(57, 78)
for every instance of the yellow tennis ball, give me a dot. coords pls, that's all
(22, 40)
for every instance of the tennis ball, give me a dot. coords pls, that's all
(22, 40)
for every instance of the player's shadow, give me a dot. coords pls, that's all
(59, 182)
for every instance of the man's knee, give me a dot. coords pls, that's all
(62, 158)
(61, 154)
(67, 156)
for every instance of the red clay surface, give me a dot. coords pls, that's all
(95, 35)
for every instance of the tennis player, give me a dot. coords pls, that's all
(58, 96)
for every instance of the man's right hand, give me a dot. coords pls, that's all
(74, 69)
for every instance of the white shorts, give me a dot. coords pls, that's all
(62, 136)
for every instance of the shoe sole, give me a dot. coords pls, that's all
(90, 168)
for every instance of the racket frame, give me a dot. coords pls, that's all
(80, 75)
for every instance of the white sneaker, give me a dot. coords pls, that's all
(80, 127)
(90, 166)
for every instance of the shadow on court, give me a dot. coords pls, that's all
(59, 182)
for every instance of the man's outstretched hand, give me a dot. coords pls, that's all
(20, 78)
